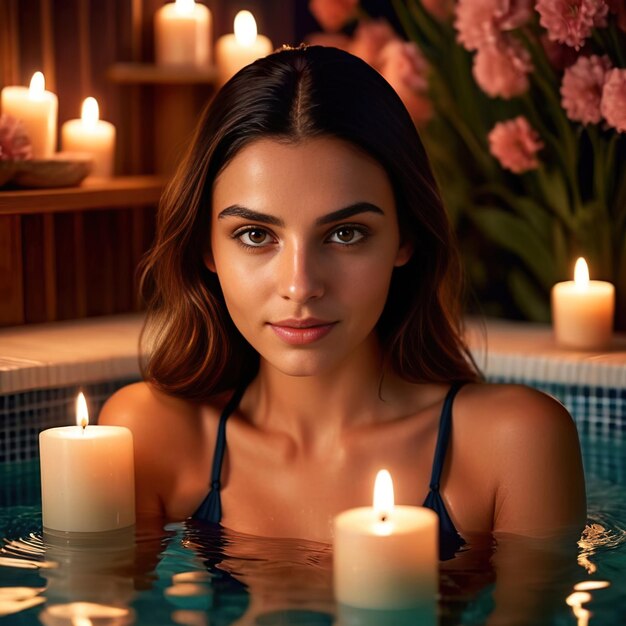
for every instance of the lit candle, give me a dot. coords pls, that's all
(91, 135)
(182, 34)
(582, 310)
(386, 556)
(37, 108)
(87, 476)
(234, 51)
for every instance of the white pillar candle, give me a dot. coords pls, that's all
(93, 136)
(582, 311)
(234, 51)
(87, 476)
(182, 34)
(386, 556)
(37, 108)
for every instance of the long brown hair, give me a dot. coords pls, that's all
(194, 349)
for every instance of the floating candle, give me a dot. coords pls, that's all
(87, 476)
(234, 51)
(385, 556)
(37, 109)
(582, 310)
(91, 135)
(182, 34)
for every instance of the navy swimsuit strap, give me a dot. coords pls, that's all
(211, 508)
(449, 539)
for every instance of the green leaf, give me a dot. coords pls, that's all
(516, 235)
(538, 216)
(532, 302)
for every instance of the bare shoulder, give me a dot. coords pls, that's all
(139, 404)
(513, 409)
(171, 437)
(528, 443)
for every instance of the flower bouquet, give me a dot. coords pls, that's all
(523, 112)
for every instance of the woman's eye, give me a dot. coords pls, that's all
(253, 237)
(347, 235)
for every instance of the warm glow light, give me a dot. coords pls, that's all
(80, 620)
(184, 7)
(63, 613)
(90, 112)
(577, 598)
(589, 585)
(37, 86)
(245, 28)
(581, 274)
(82, 415)
(383, 495)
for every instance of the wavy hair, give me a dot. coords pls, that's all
(194, 350)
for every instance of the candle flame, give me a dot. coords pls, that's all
(383, 495)
(581, 274)
(82, 414)
(184, 7)
(37, 86)
(245, 28)
(90, 112)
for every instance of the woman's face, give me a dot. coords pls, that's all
(304, 239)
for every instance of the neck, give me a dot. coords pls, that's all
(315, 410)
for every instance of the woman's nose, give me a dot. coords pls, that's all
(299, 274)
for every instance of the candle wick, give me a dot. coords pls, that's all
(383, 518)
(83, 423)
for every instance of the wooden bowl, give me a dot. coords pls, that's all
(65, 169)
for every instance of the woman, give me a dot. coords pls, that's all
(305, 292)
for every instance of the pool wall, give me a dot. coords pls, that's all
(43, 368)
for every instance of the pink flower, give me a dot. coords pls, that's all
(332, 15)
(613, 104)
(570, 21)
(440, 9)
(370, 37)
(405, 69)
(480, 22)
(14, 142)
(581, 89)
(501, 68)
(515, 144)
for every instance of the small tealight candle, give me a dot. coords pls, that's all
(87, 476)
(37, 109)
(182, 34)
(386, 556)
(91, 135)
(582, 311)
(234, 51)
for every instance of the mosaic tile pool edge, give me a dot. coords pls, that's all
(24, 415)
(599, 412)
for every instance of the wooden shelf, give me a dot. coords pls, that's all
(150, 74)
(117, 192)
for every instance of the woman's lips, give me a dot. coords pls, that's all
(302, 335)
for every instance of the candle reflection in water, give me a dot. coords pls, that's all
(93, 579)
(581, 596)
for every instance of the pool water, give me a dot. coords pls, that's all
(198, 575)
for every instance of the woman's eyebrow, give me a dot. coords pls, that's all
(349, 211)
(236, 210)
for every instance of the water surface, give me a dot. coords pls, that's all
(198, 575)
